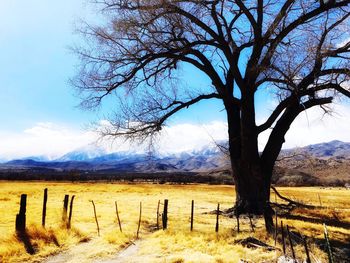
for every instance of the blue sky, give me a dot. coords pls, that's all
(36, 63)
(38, 108)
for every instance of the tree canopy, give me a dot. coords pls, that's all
(297, 49)
(300, 49)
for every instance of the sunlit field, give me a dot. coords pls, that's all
(177, 244)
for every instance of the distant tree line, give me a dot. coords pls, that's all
(279, 178)
(78, 175)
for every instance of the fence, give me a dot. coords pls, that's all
(283, 235)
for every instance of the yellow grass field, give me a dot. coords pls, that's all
(177, 244)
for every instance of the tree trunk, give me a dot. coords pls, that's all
(253, 192)
(252, 179)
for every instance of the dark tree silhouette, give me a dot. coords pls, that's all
(299, 49)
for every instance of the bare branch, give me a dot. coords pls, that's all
(140, 123)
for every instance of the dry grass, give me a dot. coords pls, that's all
(177, 244)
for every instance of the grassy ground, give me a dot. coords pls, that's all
(177, 244)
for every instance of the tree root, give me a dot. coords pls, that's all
(287, 208)
(252, 242)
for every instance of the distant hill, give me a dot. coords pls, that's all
(205, 159)
(335, 149)
(29, 163)
(318, 164)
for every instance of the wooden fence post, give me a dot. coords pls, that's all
(329, 249)
(291, 243)
(65, 208)
(192, 210)
(158, 214)
(251, 223)
(138, 227)
(165, 215)
(217, 219)
(43, 218)
(308, 260)
(98, 227)
(70, 212)
(21, 216)
(116, 210)
(283, 241)
(276, 227)
(319, 199)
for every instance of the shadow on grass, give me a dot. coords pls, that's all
(55, 241)
(23, 237)
(328, 222)
(340, 249)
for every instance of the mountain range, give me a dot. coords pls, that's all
(318, 164)
(95, 159)
(206, 159)
(332, 149)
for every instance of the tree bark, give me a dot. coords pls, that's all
(252, 178)
(253, 191)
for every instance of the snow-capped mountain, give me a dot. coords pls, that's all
(85, 153)
(95, 158)
(319, 164)
(210, 157)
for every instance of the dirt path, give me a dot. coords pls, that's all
(129, 254)
(84, 253)
(73, 254)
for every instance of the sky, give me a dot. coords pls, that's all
(39, 113)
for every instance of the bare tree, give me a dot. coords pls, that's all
(299, 49)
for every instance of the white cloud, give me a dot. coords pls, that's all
(343, 43)
(313, 127)
(43, 139)
(54, 140)
(185, 137)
